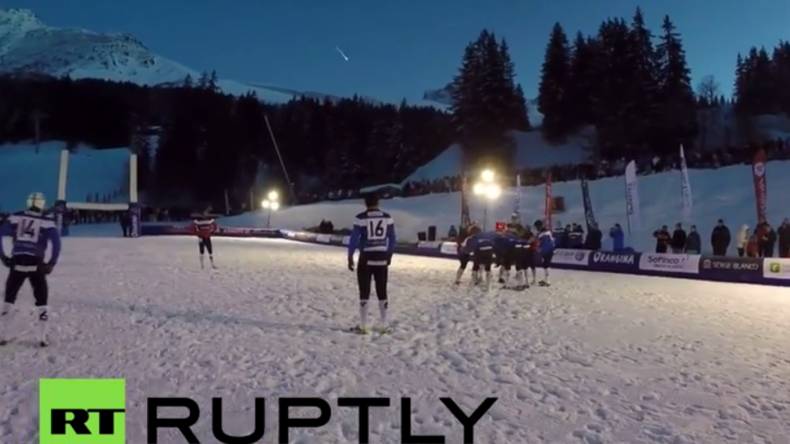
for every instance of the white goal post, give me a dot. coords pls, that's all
(61, 206)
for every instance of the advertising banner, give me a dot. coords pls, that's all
(776, 268)
(579, 258)
(449, 248)
(423, 245)
(323, 238)
(731, 269)
(614, 262)
(670, 263)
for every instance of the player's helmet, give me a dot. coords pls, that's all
(36, 200)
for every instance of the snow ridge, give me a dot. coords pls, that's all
(30, 47)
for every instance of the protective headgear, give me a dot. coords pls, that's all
(36, 200)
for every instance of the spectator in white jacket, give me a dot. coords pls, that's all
(742, 239)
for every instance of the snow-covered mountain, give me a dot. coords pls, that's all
(28, 46)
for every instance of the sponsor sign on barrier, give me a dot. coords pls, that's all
(776, 268)
(425, 244)
(670, 263)
(571, 257)
(613, 260)
(346, 240)
(770, 271)
(323, 238)
(448, 248)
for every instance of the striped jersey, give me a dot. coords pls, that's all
(373, 235)
(31, 231)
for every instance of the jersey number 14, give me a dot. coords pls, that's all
(376, 229)
(27, 230)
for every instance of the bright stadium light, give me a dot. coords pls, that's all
(271, 203)
(488, 190)
(273, 196)
(265, 204)
(275, 206)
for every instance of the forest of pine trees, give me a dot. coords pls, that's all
(632, 86)
(210, 142)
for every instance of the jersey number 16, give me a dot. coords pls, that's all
(376, 230)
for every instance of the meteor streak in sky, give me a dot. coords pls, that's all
(340, 51)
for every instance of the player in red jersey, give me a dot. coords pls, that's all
(203, 227)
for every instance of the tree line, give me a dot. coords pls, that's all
(211, 142)
(634, 88)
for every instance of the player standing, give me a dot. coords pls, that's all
(203, 227)
(545, 251)
(374, 235)
(464, 254)
(31, 231)
(481, 245)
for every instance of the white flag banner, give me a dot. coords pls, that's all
(685, 186)
(632, 198)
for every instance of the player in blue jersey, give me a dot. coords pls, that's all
(481, 246)
(31, 231)
(545, 251)
(374, 236)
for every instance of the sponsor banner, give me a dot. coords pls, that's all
(346, 240)
(434, 245)
(336, 240)
(740, 268)
(670, 263)
(449, 248)
(776, 268)
(614, 261)
(571, 257)
(247, 232)
(323, 238)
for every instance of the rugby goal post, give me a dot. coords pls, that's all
(61, 206)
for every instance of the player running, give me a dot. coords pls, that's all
(374, 235)
(464, 254)
(204, 226)
(31, 232)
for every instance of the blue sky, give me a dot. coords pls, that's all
(399, 48)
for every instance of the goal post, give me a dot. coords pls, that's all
(62, 206)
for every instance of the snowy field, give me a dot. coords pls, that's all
(593, 359)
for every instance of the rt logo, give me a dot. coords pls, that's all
(82, 411)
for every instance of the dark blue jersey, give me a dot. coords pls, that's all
(31, 232)
(373, 234)
(482, 242)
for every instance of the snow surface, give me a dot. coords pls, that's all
(532, 151)
(726, 193)
(23, 171)
(647, 360)
(27, 45)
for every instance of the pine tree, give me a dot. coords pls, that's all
(643, 109)
(553, 91)
(581, 86)
(678, 104)
(611, 98)
(516, 109)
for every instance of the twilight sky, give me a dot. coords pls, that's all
(399, 48)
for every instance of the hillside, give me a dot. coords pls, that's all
(659, 194)
(28, 46)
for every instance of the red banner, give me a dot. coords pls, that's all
(760, 186)
(548, 202)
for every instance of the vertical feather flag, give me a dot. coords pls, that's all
(517, 205)
(632, 198)
(685, 186)
(548, 202)
(760, 185)
(589, 215)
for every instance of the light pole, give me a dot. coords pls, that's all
(488, 190)
(271, 203)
